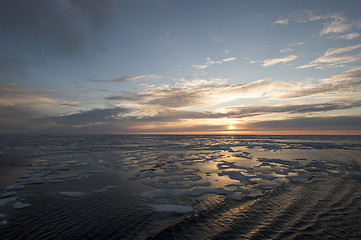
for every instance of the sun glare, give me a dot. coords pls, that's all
(230, 127)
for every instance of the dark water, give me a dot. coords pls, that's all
(182, 187)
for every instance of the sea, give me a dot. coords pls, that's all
(180, 187)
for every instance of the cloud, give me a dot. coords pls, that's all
(348, 36)
(11, 94)
(343, 83)
(191, 82)
(70, 104)
(228, 59)
(271, 62)
(194, 93)
(332, 59)
(245, 111)
(211, 62)
(333, 23)
(91, 117)
(203, 95)
(309, 123)
(207, 64)
(338, 25)
(125, 78)
(286, 50)
(21, 107)
(281, 21)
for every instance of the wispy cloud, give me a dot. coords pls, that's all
(204, 95)
(343, 83)
(333, 23)
(309, 123)
(207, 64)
(24, 96)
(195, 93)
(331, 58)
(307, 108)
(70, 104)
(337, 25)
(191, 82)
(228, 59)
(126, 78)
(273, 61)
(348, 36)
(281, 21)
(210, 62)
(286, 50)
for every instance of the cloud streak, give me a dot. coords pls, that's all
(274, 61)
(338, 25)
(127, 78)
(343, 83)
(332, 57)
(309, 123)
(210, 62)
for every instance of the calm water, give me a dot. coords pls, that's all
(180, 187)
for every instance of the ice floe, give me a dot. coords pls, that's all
(81, 194)
(19, 205)
(4, 201)
(169, 208)
(73, 194)
(157, 193)
(7, 194)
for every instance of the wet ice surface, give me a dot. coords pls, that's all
(171, 174)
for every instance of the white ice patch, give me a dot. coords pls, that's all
(19, 205)
(169, 208)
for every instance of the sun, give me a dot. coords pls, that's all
(230, 127)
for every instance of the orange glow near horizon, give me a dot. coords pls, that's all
(284, 132)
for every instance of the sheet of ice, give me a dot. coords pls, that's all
(7, 194)
(201, 191)
(105, 189)
(15, 186)
(237, 196)
(73, 194)
(96, 171)
(157, 193)
(4, 201)
(80, 194)
(159, 184)
(169, 208)
(19, 205)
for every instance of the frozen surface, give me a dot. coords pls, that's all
(5, 201)
(73, 194)
(18, 205)
(172, 208)
(167, 172)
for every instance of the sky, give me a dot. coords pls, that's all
(180, 67)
